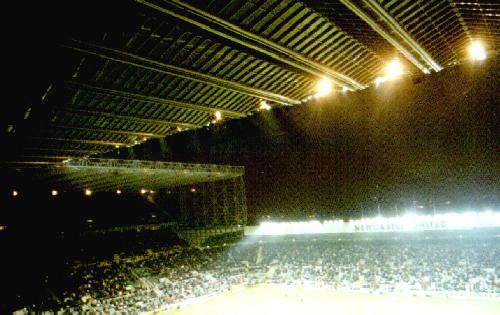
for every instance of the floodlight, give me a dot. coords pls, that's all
(394, 69)
(264, 105)
(218, 115)
(324, 87)
(379, 80)
(477, 51)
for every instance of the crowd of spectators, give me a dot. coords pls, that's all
(163, 278)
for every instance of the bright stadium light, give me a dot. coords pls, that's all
(264, 105)
(218, 115)
(324, 87)
(394, 69)
(477, 51)
(379, 80)
(406, 223)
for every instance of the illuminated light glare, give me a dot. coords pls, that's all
(179, 129)
(15, 193)
(309, 97)
(264, 105)
(477, 51)
(379, 80)
(118, 192)
(193, 190)
(143, 191)
(218, 115)
(88, 192)
(407, 223)
(345, 89)
(394, 69)
(117, 146)
(151, 191)
(324, 87)
(54, 192)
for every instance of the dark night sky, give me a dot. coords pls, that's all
(398, 143)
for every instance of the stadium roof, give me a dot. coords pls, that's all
(142, 69)
(124, 175)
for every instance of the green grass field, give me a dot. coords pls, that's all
(266, 300)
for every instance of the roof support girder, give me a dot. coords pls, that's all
(111, 131)
(82, 141)
(123, 117)
(153, 65)
(236, 34)
(393, 25)
(155, 100)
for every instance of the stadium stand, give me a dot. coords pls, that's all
(449, 263)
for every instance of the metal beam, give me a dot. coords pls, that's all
(83, 151)
(234, 33)
(153, 65)
(83, 141)
(53, 157)
(31, 162)
(112, 131)
(155, 100)
(124, 117)
(396, 29)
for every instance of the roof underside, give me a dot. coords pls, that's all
(155, 68)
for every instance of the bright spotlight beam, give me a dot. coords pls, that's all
(477, 51)
(324, 87)
(394, 69)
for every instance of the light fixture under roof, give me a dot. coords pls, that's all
(54, 192)
(477, 51)
(88, 192)
(394, 69)
(324, 87)
(218, 115)
(264, 105)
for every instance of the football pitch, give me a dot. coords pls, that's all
(265, 300)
